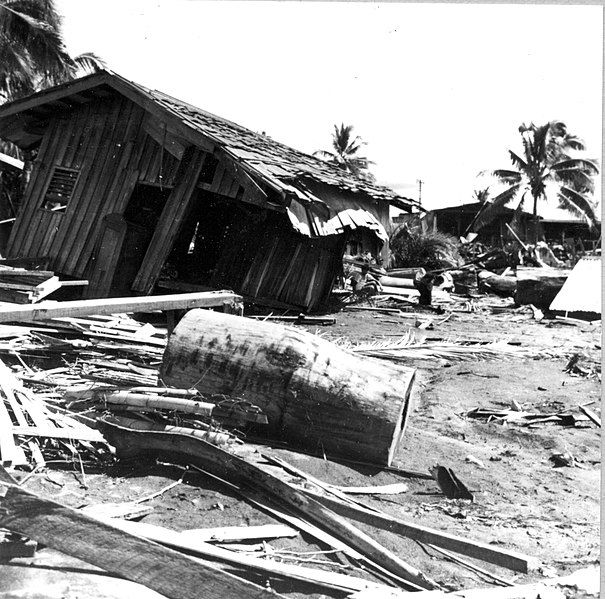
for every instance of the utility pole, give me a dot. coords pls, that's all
(420, 182)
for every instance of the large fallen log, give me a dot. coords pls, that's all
(407, 283)
(504, 286)
(539, 286)
(313, 393)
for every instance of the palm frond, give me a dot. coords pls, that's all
(582, 164)
(88, 63)
(578, 204)
(490, 210)
(517, 161)
(539, 140)
(507, 176)
(408, 348)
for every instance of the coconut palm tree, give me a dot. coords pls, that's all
(345, 152)
(32, 53)
(32, 57)
(545, 165)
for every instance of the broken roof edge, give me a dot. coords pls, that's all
(154, 101)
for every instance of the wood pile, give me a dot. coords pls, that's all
(23, 286)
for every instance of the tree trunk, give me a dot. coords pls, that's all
(539, 286)
(504, 286)
(535, 235)
(314, 394)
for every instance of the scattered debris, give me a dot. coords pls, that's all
(560, 460)
(451, 486)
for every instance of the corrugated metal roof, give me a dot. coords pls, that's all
(581, 292)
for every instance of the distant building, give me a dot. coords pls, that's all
(556, 225)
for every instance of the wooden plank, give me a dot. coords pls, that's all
(94, 196)
(323, 578)
(483, 551)
(164, 570)
(40, 176)
(114, 179)
(111, 238)
(240, 471)
(591, 415)
(53, 432)
(45, 97)
(150, 148)
(162, 133)
(170, 220)
(264, 503)
(86, 158)
(82, 114)
(7, 445)
(182, 301)
(230, 534)
(36, 232)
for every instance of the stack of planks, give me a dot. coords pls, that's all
(21, 286)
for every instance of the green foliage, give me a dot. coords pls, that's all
(432, 251)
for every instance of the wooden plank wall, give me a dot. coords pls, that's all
(270, 261)
(104, 140)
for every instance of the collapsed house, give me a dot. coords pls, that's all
(136, 191)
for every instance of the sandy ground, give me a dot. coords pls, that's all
(523, 502)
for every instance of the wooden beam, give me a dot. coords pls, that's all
(164, 570)
(183, 541)
(171, 219)
(239, 471)
(488, 553)
(163, 135)
(53, 94)
(14, 162)
(182, 301)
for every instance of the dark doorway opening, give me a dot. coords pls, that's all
(141, 216)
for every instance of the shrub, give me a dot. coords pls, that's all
(431, 250)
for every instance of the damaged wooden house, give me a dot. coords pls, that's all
(137, 191)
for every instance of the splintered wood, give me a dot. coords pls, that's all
(25, 417)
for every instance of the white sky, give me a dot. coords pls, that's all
(437, 91)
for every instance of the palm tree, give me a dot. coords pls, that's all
(32, 57)
(32, 53)
(545, 162)
(345, 152)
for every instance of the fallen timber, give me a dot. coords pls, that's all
(238, 471)
(180, 301)
(539, 286)
(313, 393)
(164, 570)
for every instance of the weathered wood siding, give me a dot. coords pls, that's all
(105, 142)
(271, 262)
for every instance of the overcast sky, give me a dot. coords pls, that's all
(437, 91)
